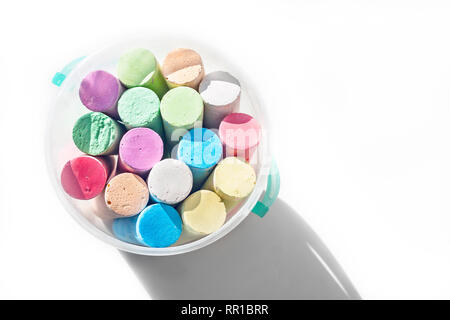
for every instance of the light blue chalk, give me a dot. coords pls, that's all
(201, 150)
(158, 225)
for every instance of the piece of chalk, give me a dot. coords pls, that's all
(221, 94)
(203, 212)
(140, 149)
(139, 68)
(126, 194)
(85, 177)
(240, 134)
(99, 91)
(181, 110)
(158, 226)
(139, 107)
(97, 134)
(201, 150)
(233, 180)
(169, 181)
(183, 67)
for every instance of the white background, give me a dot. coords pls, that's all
(359, 97)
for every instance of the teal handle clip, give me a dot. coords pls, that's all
(60, 76)
(271, 194)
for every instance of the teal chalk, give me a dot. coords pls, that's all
(139, 107)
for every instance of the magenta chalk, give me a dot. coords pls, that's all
(100, 91)
(85, 177)
(240, 134)
(140, 149)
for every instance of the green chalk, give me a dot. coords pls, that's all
(97, 134)
(181, 110)
(139, 68)
(139, 107)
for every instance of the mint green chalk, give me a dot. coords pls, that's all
(139, 68)
(139, 107)
(97, 134)
(181, 110)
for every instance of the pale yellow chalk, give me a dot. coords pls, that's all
(232, 179)
(203, 212)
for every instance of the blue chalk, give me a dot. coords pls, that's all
(201, 150)
(158, 226)
(125, 229)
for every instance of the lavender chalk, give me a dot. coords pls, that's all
(100, 91)
(140, 149)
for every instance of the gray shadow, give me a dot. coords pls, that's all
(275, 257)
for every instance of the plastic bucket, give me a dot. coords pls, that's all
(67, 108)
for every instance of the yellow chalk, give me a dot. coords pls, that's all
(233, 180)
(203, 212)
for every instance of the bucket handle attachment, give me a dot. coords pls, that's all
(271, 194)
(60, 76)
(273, 181)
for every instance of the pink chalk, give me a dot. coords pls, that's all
(140, 149)
(240, 134)
(85, 177)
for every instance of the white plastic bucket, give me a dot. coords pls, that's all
(67, 108)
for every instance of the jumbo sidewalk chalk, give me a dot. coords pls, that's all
(203, 212)
(170, 181)
(139, 107)
(140, 149)
(99, 91)
(97, 134)
(126, 194)
(233, 180)
(221, 94)
(183, 67)
(158, 226)
(240, 134)
(201, 150)
(85, 177)
(139, 68)
(181, 110)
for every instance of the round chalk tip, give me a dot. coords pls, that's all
(136, 67)
(234, 179)
(182, 106)
(159, 226)
(96, 134)
(203, 212)
(84, 177)
(170, 181)
(240, 131)
(126, 194)
(99, 91)
(140, 149)
(183, 67)
(200, 148)
(219, 88)
(138, 107)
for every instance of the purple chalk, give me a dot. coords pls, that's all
(100, 91)
(140, 149)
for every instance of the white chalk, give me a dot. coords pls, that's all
(170, 181)
(221, 94)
